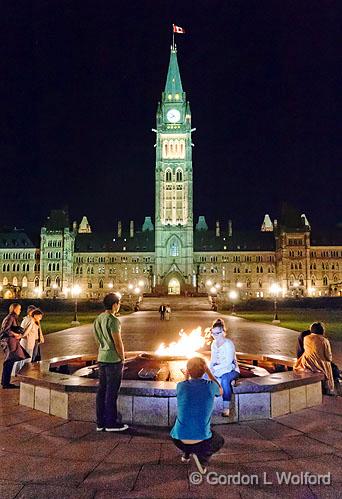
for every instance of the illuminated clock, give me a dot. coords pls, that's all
(173, 115)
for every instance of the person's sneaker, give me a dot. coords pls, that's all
(185, 458)
(118, 427)
(201, 468)
(225, 413)
(99, 428)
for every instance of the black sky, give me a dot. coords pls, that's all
(80, 82)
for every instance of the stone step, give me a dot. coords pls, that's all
(176, 303)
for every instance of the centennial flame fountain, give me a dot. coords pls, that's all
(66, 386)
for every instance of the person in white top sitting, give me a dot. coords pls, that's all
(223, 363)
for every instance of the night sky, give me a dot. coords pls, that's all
(80, 82)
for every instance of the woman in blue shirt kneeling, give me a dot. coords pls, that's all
(195, 403)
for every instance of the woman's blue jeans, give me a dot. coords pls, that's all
(226, 380)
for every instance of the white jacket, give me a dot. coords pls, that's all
(31, 334)
(223, 358)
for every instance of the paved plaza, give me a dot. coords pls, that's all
(47, 457)
(44, 456)
(144, 331)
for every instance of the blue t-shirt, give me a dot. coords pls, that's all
(195, 401)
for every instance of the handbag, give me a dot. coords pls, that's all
(13, 350)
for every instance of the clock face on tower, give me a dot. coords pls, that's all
(173, 115)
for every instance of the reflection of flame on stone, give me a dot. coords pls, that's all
(187, 346)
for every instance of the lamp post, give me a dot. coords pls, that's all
(233, 295)
(275, 289)
(76, 290)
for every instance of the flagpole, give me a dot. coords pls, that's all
(173, 38)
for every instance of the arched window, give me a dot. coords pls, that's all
(325, 281)
(5, 281)
(90, 285)
(168, 175)
(58, 281)
(4, 267)
(174, 248)
(15, 281)
(36, 282)
(24, 283)
(48, 282)
(179, 175)
(101, 284)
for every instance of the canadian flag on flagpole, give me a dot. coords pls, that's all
(178, 29)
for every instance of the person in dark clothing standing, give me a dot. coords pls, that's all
(162, 310)
(9, 333)
(107, 330)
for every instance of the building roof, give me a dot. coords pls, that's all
(240, 241)
(17, 238)
(109, 242)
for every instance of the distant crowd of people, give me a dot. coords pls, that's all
(20, 341)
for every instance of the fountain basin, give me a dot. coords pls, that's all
(146, 402)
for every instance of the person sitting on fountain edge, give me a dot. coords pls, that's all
(191, 432)
(107, 331)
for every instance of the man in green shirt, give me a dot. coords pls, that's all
(107, 330)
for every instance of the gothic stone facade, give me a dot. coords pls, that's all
(171, 255)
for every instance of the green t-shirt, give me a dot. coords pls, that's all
(105, 324)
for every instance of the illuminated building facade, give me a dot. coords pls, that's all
(172, 254)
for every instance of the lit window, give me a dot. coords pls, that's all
(174, 248)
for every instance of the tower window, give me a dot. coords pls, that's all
(168, 175)
(179, 176)
(174, 248)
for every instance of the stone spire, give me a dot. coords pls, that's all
(267, 225)
(173, 84)
(84, 227)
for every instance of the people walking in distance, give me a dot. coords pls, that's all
(37, 316)
(317, 356)
(223, 362)
(111, 354)
(10, 335)
(167, 312)
(191, 432)
(162, 309)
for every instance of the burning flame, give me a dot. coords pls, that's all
(187, 346)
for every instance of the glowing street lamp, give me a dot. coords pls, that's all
(209, 282)
(239, 285)
(217, 286)
(275, 289)
(141, 283)
(130, 286)
(213, 290)
(110, 285)
(137, 290)
(76, 290)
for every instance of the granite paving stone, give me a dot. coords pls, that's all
(331, 437)
(302, 446)
(162, 480)
(322, 465)
(118, 478)
(9, 489)
(44, 469)
(270, 430)
(38, 445)
(283, 491)
(72, 429)
(147, 454)
(36, 491)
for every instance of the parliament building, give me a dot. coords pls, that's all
(172, 253)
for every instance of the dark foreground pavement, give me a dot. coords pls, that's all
(47, 457)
